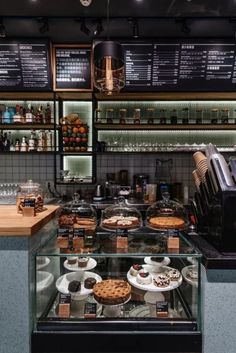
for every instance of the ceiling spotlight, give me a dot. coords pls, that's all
(84, 28)
(2, 30)
(135, 28)
(86, 2)
(43, 24)
(99, 28)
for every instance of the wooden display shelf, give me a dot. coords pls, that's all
(13, 224)
(26, 126)
(165, 127)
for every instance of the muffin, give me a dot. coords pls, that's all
(89, 283)
(74, 286)
(71, 260)
(83, 261)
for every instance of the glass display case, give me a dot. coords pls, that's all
(122, 281)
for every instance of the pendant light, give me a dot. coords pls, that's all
(109, 70)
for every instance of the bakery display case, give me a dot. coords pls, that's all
(122, 281)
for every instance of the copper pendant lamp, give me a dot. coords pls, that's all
(109, 70)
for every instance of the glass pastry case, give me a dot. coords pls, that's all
(120, 281)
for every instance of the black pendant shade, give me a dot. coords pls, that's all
(109, 72)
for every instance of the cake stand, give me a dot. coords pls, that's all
(151, 287)
(157, 264)
(113, 310)
(92, 263)
(64, 280)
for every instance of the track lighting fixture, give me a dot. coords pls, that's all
(2, 30)
(84, 28)
(99, 28)
(43, 24)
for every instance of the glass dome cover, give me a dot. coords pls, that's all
(121, 216)
(77, 212)
(166, 214)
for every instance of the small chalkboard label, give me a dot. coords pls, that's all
(63, 232)
(122, 232)
(64, 305)
(162, 308)
(29, 202)
(79, 232)
(90, 310)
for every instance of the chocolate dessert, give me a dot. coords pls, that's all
(89, 282)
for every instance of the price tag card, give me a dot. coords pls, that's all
(64, 305)
(90, 310)
(162, 309)
(122, 239)
(173, 244)
(29, 203)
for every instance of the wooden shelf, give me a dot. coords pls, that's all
(26, 126)
(164, 127)
(165, 96)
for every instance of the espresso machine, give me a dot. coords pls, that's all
(214, 203)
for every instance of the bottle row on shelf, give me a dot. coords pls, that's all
(37, 141)
(164, 116)
(20, 114)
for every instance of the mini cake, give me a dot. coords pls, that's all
(161, 280)
(83, 261)
(134, 269)
(193, 273)
(89, 282)
(112, 291)
(174, 274)
(71, 260)
(144, 277)
(74, 286)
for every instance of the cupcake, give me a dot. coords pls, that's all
(83, 261)
(134, 269)
(144, 277)
(74, 286)
(71, 260)
(89, 283)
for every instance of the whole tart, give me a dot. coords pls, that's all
(167, 222)
(112, 291)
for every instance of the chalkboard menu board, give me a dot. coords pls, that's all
(25, 65)
(72, 68)
(180, 65)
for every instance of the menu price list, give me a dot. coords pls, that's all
(73, 68)
(180, 66)
(24, 66)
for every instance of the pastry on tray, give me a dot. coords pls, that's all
(165, 222)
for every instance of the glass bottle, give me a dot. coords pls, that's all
(17, 116)
(48, 114)
(6, 117)
(122, 115)
(32, 146)
(23, 146)
(17, 145)
(98, 118)
(29, 115)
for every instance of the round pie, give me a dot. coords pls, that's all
(122, 222)
(112, 291)
(166, 222)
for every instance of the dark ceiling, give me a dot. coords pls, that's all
(155, 18)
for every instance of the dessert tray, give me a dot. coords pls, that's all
(186, 276)
(152, 287)
(74, 267)
(64, 280)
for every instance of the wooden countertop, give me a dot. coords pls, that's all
(14, 224)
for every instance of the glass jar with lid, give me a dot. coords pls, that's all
(166, 214)
(121, 216)
(122, 115)
(137, 115)
(109, 115)
(150, 115)
(30, 194)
